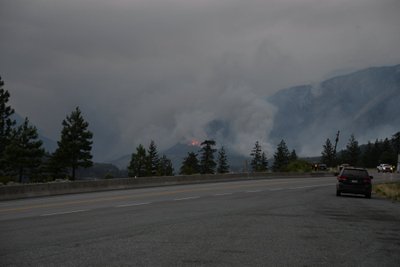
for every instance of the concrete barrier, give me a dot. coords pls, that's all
(9, 192)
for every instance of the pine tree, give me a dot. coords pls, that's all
(256, 157)
(6, 123)
(387, 155)
(367, 156)
(207, 163)
(153, 159)
(74, 148)
(165, 167)
(352, 152)
(259, 161)
(223, 166)
(264, 162)
(281, 157)
(138, 164)
(376, 152)
(293, 156)
(328, 154)
(23, 155)
(54, 167)
(190, 164)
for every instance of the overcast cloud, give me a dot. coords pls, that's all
(164, 69)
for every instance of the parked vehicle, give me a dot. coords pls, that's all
(319, 166)
(355, 181)
(385, 168)
(322, 167)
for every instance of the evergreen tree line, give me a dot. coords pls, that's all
(22, 156)
(148, 163)
(283, 160)
(367, 156)
(206, 162)
(286, 161)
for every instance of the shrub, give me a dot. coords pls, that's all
(388, 190)
(108, 176)
(298, 166)
(6, 180)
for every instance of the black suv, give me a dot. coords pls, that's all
(355, 181)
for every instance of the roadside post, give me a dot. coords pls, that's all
(398, 163)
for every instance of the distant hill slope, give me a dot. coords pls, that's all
(365, 103)
(48, 144)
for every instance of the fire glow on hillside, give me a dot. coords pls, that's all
(194, 142)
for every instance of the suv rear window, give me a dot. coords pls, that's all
(355, 173)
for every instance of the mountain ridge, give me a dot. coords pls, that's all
(363, 103)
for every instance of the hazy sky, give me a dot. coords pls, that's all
(164, 69)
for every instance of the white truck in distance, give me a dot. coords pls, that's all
(385, 168)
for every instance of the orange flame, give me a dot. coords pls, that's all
(194, 142)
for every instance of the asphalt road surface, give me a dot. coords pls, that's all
(275, 222)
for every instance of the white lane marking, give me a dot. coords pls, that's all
(185, 198)
(61, 213)
(309, 186)
(253, 191)
(276, 189)
(133, 204)
(222, 194)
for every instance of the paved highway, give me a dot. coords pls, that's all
(275, 222)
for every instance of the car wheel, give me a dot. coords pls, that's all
(368, 195)
(337, 193)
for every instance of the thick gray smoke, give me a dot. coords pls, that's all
(174, 70)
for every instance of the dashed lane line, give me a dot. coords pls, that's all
(253, 191)
(148, 194)
(128, 196)
(308, 186)
(62, 213)
(276, 189)
(186, 198)
(222, 194)
(133, 204)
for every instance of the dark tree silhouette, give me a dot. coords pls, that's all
(207, 163)
(23, 155)
(223, 166)
(6, 123)
(74, 148)
(139, 162)
(281, 157)
(190, 164)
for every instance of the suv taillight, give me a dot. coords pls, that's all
(342, 178)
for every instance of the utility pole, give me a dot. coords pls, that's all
(336, 140)
(334, 151)
(398, 163)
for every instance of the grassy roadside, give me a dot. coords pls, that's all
(389, 190)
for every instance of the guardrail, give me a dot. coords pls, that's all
(9, 192)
